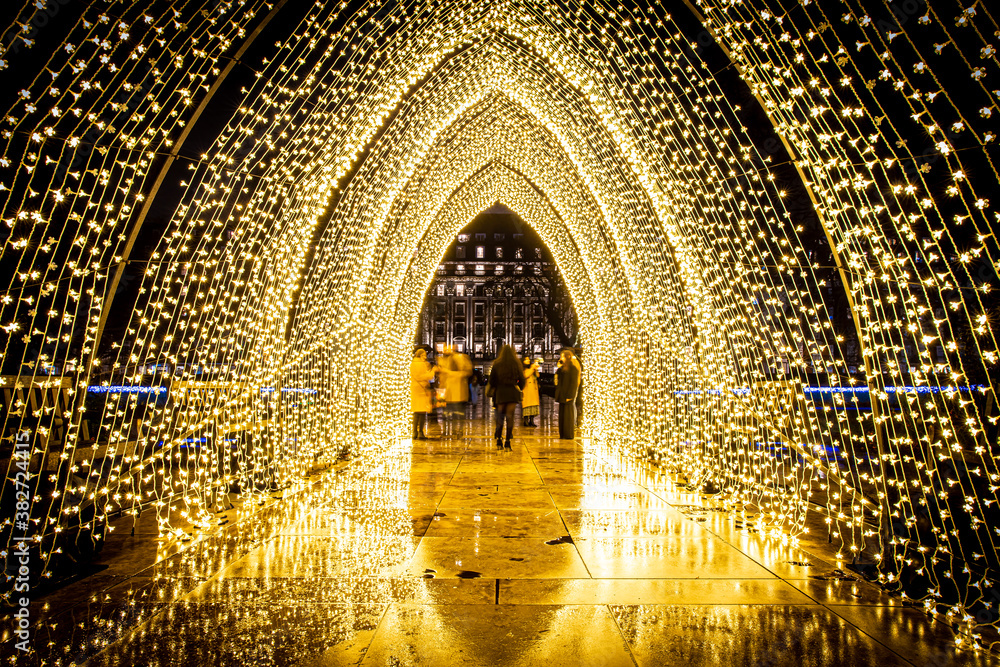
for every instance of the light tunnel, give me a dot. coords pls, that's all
(804, 327)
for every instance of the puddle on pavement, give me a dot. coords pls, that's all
(835, 575)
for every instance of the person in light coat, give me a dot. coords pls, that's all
(530, 403)
(456, 368)
(421, 374)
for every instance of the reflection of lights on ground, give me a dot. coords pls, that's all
(339, 542)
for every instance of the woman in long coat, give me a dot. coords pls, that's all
(456, 369)
(506, 383)
(421, 374)
(567, 386)
(529, 406)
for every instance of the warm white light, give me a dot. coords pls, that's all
(307, 234)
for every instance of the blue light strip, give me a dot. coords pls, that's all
(739, 391)
(124, 389)
(743, 391)
(288, 390)
(139, 389)
(893, 390)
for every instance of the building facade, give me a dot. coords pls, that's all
(494, 287)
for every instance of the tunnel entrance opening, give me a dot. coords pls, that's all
(498, 284)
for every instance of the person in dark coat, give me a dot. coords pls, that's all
(505, 385)
(578, 356)
(567, 387)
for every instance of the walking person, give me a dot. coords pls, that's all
(421, 374)
(474, 385)
(481, 387)
(505, 385)
(567, 387)
(529, 407)
(457, 368)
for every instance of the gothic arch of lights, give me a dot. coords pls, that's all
(307, 234)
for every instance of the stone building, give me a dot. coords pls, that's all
(497, 284)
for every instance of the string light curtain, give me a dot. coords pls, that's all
(283, 295)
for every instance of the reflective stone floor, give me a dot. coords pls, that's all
(448, 551)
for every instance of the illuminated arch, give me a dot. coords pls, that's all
(604, 129)
(484, 113)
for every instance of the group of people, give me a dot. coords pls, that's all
(453, 372)
(511, 381)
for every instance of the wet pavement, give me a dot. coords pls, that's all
(447, 552)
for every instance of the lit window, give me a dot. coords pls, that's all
(519, 253)
(460, 289)
(480, 269)
(460, 268)
(463, 238)
(538, 253)
(498, 269)
(440, 290)
(499, 252)
(480, 252)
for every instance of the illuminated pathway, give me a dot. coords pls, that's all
(447, 552)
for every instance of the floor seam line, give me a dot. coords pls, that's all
(861, 630)
(628, 645)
